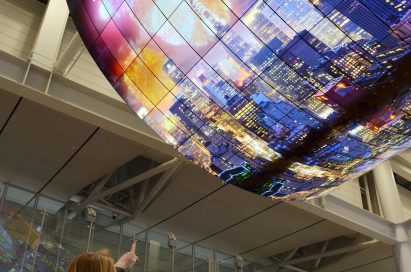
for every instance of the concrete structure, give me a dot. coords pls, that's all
(66, 137)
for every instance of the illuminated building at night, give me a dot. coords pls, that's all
(233, 83)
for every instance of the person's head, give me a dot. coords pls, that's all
(92, 262)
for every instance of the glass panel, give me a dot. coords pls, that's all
(2, 189)
(204, 260)
(225, 263)
(183, 258)
(51, 216)
(34, 238)
(51, 240)
(75, 236)
(130, 231)
(39, 258)
(158, 253)
(3, 192)
(104, 239)
(18, 230)
(56, 227)
(248, 266)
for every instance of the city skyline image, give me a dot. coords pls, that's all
(284, 98)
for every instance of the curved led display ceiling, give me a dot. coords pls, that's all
(285, 98)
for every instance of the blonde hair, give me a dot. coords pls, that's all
(92, 262)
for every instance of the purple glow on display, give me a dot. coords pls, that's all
(284, 98)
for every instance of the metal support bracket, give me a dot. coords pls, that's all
(351, 217)
(97, 194)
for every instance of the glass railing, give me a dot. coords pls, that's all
(36, 235)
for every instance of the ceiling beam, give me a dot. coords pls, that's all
(141, 194)
(47, 43)
(402, 168)
(70, 55)
(100, 184)
(85, 104)
(165, 178)
(124, 185)
(352, 217)
(333, 252)
(323, 249)
(338, 260)
(288, 256)
(111, 208)
(137, 179)
(277, 267)
(148, 198)
(404, 157)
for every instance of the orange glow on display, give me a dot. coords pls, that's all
(284, 98)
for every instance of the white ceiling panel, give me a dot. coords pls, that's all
(222, 209)
(102, 154)
(365, 260)
(269, 225)
(50, 205)
(321, 231)
(19, 196)
(190, 184)
(36, 143)
(382, 265)
(7, 103)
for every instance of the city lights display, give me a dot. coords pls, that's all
(284, 98)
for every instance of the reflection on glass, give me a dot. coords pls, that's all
(36, 235)
(30, 232)
(128, 232)
(244, 87)
(184, 259)
(225, 263)
(158, 252)
(204, 259)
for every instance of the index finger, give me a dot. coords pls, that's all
(133, 246)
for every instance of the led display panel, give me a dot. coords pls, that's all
(284, 98)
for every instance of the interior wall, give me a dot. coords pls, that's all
(85, 71)
(350, 192)
(405, 196)
(19, 24)
(20, 21)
